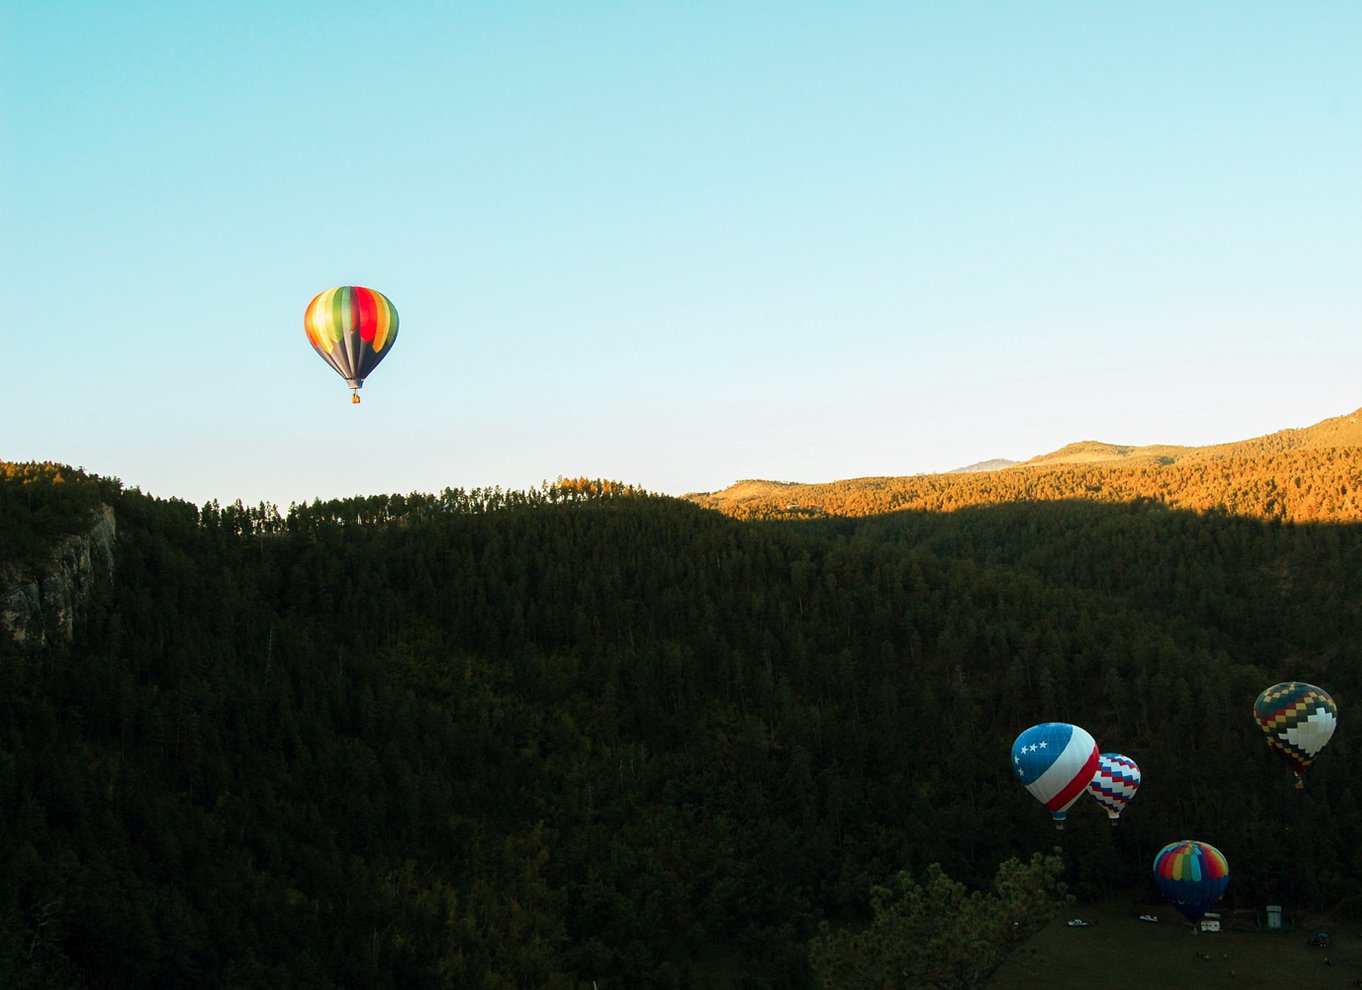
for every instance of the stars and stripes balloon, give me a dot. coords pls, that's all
(1192, 875)
(1298, 719)
(1115, 783)
(1055, 761)
(352, 328)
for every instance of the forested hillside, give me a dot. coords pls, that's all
(39, 503)
(587, 735)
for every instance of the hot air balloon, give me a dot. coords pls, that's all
(1298, 719)
(1191, 874)
(1055, 761)
(1115, 783)
(352, 328)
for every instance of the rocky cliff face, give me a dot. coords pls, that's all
(37, 610)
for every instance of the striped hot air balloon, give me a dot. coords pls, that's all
(1115, 783)
(1055, 761)
(1298, 719)
(353, 329)
(1192, 875)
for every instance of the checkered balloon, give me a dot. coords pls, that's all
(1115, 783)
(1298, 719)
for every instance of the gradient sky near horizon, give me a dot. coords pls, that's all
(672, 244)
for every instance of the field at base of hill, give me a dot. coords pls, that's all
(1121, 952)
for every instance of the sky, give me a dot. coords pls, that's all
(671, 244)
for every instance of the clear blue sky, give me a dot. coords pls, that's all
(674, 244)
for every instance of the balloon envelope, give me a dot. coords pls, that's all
(1298, 719)
(1115, 783)
(353, 329)
(1055, 761)
(1191, 874)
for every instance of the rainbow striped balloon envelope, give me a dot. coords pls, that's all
(353, 329)
(1192, 875)
(1115, 783)
(1298, 719)
(1054, 761)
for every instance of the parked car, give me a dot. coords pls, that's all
(1149, 917)
(1319, 940)
(1080, 923)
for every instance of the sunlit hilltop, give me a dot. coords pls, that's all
(1308, 474)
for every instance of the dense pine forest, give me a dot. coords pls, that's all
(585, 736)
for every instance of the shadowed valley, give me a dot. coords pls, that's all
(586, 735)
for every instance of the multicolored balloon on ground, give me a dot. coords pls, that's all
(1055, 761)
(1192, 875)
(1298, 719)
(352, 328)
(1115, 783)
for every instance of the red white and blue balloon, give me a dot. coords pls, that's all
(1115, 783)
(1055, 761)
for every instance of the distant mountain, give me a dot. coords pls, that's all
(996, 464)
(1278, 476)
(1340, 431)
(1095, 452)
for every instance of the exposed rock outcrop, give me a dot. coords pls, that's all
(39, 609)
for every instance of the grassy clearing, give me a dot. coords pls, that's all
(1123, 953)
